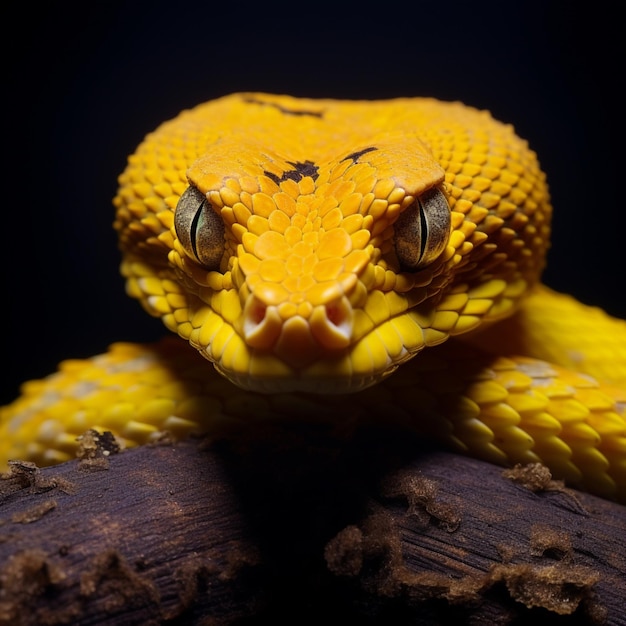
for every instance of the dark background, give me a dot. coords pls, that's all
(84, 84)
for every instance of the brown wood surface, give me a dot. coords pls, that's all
(297, 526)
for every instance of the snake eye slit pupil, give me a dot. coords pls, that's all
(195, 227)
(199, 228)
(422, 230)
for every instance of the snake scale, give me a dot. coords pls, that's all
(340, 261)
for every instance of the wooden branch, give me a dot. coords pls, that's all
(297, 525)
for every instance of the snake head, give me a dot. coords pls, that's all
(303, 259)
(291, 262)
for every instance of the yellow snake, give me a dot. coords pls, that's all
(311, 248)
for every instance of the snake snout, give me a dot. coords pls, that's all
(298, 335)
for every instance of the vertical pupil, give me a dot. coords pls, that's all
(196, 225)
(423, 228)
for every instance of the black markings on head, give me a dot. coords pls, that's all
(355, 156)
(284, 109)
(299, 171)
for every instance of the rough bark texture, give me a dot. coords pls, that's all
(296, 526)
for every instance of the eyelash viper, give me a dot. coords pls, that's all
(311, 248)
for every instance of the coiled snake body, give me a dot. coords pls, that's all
(308, 249)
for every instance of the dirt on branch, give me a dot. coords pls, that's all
(295, 524)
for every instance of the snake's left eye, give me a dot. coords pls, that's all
(199, 228)
(422, 230)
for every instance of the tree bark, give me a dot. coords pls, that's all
(298, 525)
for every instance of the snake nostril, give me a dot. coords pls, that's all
(261, 324)
(337, 313)
(331, 324)
(256, 312)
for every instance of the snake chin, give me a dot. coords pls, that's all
(266, 373)
(317, 385)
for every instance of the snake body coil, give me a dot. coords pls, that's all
(308, 248)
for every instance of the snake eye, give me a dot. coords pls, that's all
(422, 230)
(199, 228)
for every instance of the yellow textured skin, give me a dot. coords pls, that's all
(308, 295)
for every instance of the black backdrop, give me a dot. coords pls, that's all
(83, 84)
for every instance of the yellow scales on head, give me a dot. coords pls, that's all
(316, 245)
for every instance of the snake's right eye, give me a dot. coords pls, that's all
(422, 230)
(199, 228)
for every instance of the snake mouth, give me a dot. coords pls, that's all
(330, 376)
(317, 354)
(284, 347)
